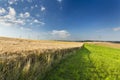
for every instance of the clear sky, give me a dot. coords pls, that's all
(60, 19)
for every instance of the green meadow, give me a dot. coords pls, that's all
(91, 62)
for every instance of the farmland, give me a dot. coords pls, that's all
(9, 45)
(22, 59)
(92, 62)
(107, 44)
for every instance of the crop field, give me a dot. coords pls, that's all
(108, 44)
(9, 45)
(92, 62)
(22, 59)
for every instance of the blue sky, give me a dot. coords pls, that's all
(60, 19)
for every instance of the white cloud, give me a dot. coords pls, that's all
(25, 15)
(36, 5)
(12, 11)
(12, 1)
(5, 24)
(26, 18)
(59, 1)
(20, 22)
(10, 18)
(32, 7)
(60, 34)
(11, 14)
(39, 22)
(36, 21)
(116, 29)
(43, 8)
(21, 15)
(2, 11)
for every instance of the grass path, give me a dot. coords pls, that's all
(92, 62)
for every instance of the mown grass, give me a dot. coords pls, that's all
(92, 62)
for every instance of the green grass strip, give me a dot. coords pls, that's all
(92, 62)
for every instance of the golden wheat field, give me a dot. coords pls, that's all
(9, 45)
(30, 59)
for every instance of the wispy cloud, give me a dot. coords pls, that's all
(12, 1)
(17, 19)
(39, 22)
(2, 11)
(60, 34)
(11, 14)
(9, 17)
(42, 8)
(25, 15)
(59, 1)
(116, 29)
